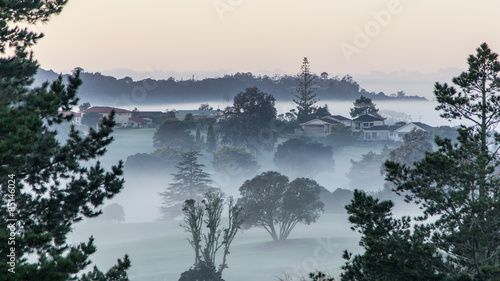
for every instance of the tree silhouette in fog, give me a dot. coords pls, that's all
(272, 202)
(189, 182)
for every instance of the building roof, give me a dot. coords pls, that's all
(367, 118)
(105, 109)
(147, 112)
(340, 118)
(424, 126)
(197, 112)
(330, 120)
(377, 128)
(316, 122)
(420, 125)
(138, 119)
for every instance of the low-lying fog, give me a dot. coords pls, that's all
(159, 249)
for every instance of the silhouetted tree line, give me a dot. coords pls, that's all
(107, 89)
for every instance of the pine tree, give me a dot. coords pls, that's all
(459, 184)
(305, 96)
(393, 249)
(190, 182)
(45, 189)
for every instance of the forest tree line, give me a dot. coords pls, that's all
(101, 89)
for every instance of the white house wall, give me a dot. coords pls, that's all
(406, 129)
(121, 119)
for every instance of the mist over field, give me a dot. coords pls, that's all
(159, 250)
(232, 140)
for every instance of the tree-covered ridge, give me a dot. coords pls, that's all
(98, 88)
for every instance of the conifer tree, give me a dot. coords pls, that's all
(45, 189)
(459, 183)
(305, 98)
(190, 182)
(458, 186)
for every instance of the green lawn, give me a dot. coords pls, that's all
(160, 251)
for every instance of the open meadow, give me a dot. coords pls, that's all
(159, 250)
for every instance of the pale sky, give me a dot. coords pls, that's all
(338, 36)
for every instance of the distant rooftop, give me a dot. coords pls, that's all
(341, 118)
(197, 112)
(105, 109)
(138, 119)
(424, 126)
(367, 118)
(330, 120)
(378, 128)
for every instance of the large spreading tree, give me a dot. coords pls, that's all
(45, 187)
(272, 202)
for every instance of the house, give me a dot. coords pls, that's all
(198, 114)
(156, 117)
(363, 123)
(123, 117)
(323, 126)
(406, 129)
(318, 127)
(344, 120)
(138, 122)
(77, 117)
(383, 133)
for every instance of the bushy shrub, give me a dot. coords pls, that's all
(203, 272)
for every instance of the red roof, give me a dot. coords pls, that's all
(105, 109)
(138, 119)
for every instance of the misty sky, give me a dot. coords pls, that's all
(268, 35)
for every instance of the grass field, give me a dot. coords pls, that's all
(160, 251)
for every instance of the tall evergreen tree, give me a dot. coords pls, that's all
(393, 250)
(459, 183)
(305, 98)
(45, 189)
(190, 182)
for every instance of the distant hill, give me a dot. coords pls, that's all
(101, 89)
